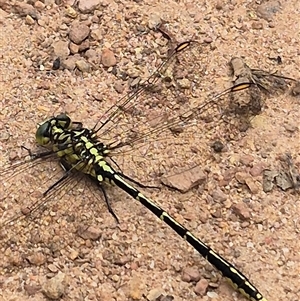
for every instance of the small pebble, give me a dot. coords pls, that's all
(108, 58)
(55, 287)
(154, 21)
(190, 274)
(37, 258)
(29, 20)
(61, 48)
(219, 196)
(83, 65)
(257, 169)
(241, 177)
(241, 210)
(78, 32)
(252, 185)
(88, 6)
(217, 146)
(52, 268)
(201, 287)
(257, 25)
(246, 160)
(91, 232)
(71, 12)
(32, 288)
(155, 293)
(219, 5)
(186, 180)
(39, 5)
(74, 48)
(212, 295)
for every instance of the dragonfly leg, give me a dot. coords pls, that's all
(67, 171)
(111, 211)
(37, 155)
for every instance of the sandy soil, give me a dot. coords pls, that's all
(141, 258)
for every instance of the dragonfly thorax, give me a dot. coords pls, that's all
(50, 127)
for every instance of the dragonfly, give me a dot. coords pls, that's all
(85, 152)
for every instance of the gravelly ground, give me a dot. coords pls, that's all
(255, 230)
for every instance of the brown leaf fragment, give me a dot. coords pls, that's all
(268, 180)
(263, 83)
(292, 173)
(283, 181)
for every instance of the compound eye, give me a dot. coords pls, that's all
(42, 135)
(63, 121)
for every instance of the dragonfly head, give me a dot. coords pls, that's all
(48, 128)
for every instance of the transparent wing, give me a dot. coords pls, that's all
(174, 121)
(170, 99)
(31, 213)
(183, 136)
(114, 114)
(157, 118)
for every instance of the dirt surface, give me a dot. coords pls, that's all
(247, 218)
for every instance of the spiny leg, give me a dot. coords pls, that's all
(46, 153)
(67, 168)
(37, 155)
(111, 211)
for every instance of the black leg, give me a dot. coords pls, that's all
(67, 169)
(107, 202)
(37, 155)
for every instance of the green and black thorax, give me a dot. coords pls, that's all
(77, 147)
